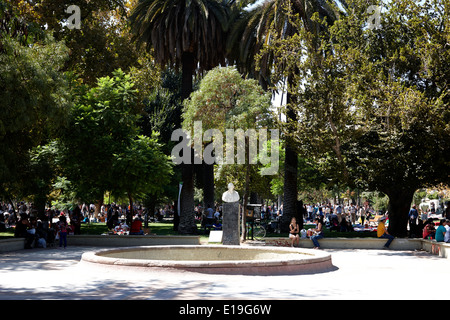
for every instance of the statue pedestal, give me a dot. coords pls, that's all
(230, 223)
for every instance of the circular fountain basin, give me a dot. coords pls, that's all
(218, 259)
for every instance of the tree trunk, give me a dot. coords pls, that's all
(398, 209)
(290, 190)
(187, 220)
(245, 201)
(39, 202)
(98, 206)
(290, 174)
(208, 184)
(188, 67)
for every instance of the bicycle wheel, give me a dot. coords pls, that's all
(259, 232)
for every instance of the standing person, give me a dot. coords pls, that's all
(317, 232)
(294, 232)
(309, 210)
(328, 212)
(361, 214)
(353, 213)
(383, 233)
(217, 214)
(209, 215)
(339, 212)
(413, 215)
(62, 228)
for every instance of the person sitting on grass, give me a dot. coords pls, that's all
(136, 227)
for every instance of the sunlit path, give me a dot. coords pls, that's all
(359, 274)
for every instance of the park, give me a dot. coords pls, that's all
(223, 149)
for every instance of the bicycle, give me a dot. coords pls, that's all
(255, 229)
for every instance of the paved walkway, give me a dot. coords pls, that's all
(360, 274)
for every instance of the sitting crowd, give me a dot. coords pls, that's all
(42, 233)
(440, 234)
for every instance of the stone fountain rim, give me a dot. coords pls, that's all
(305, 257)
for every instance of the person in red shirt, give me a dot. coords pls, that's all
(429, 230)
(136, 227)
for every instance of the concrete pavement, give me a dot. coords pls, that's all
(55, 273)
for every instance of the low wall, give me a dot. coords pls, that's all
(130, 240)
(438, 248)
(350, 243)
(12, 244)
(441, 249)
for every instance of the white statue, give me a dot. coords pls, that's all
(230, 195)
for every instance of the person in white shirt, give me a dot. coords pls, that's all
(353, 213)
(447, 232)
(217, 214)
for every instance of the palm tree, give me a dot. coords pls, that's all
(189, 34)
(257, 27)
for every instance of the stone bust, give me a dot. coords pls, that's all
(230, 195)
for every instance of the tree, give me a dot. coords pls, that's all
(140, 170)
(39, 177)
(258, 28)
(102, 149)
(375, 100)
(34, 97)
(223, 101)
(162, 113)
(101, 45)
(189, 35)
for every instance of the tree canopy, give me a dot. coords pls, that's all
(102, 149)
(373, 103)
(34, 102)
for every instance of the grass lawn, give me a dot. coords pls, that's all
(158, 228)
(166, 229)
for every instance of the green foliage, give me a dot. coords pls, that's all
(163, 108)
(173, 27)
(268, 21)
(374, 103)
(223, 101)
(310, 178)
(103, 42)
(13, 25)
(34, 102)
(226, 100)
(102, 150)
(141, 169)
